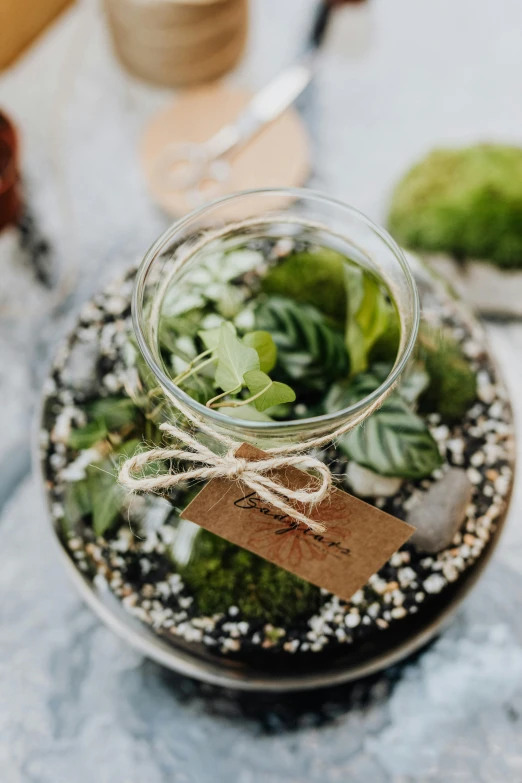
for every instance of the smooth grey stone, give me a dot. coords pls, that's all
(441, 511)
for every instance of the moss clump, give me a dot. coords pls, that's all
(314, 278)
(453, 384)
(221, 574)
(465, 202)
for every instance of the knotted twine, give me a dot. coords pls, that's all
(256, 474)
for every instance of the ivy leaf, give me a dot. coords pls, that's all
(393, 441)
(266, 349)
(234, 359)
(367, 316)
(275, 393)
(210, 337)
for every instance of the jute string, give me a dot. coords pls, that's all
(256, 474)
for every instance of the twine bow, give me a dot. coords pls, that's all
(256, 474)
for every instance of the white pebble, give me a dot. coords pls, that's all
(434, 583)
(474, 476)
(352, 620)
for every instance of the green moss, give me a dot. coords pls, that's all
(465, 202)
(313, 278)
(221, 574)
(453, 384)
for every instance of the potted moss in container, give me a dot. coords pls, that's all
(462, 209)
(290, 322)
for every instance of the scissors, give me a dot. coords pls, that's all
(200, 171)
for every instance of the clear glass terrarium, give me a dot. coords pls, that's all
(235, 240)
(426, 437)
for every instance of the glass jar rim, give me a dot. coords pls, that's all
(267, 427)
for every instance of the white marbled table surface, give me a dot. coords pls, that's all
(76, 705)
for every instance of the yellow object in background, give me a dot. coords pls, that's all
(21, 21)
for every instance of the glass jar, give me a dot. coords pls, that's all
(191, 263)
(174, 263)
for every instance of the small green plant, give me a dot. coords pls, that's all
(239, 364)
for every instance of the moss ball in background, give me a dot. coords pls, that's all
(221, 574)
(465, 202)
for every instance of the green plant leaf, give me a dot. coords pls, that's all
(234, 360)
(275, 393)
(199, 386)
(229, 300)
(393, 441)
(414, 382)
(233, 263)
(88, 436)
(77, 501)
(210, 337)
(171, 328)
(115, 412)
(310, 351)
(106, 495)
(266, 349)
(367, 316)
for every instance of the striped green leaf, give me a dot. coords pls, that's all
(310, 351)
(393, 441)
